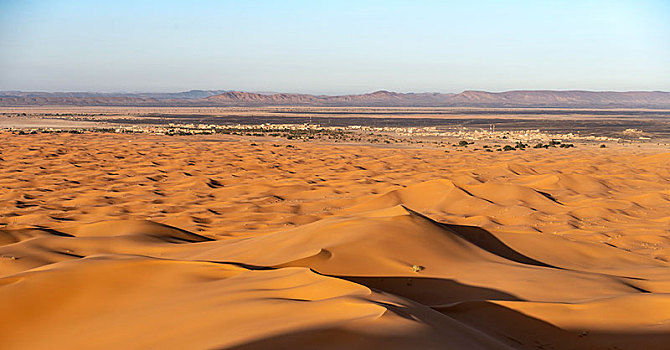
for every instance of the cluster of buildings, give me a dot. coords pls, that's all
(431, 132)
(525, 136)
(194, 129)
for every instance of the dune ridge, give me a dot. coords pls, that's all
(150, 242)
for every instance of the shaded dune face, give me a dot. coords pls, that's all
(408, 252)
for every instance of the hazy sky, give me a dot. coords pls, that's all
(334, 46)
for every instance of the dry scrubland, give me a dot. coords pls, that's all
(142, 241)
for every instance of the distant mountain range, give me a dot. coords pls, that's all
(519, 98)
(191, 94)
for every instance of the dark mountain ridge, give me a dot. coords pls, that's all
(470, 98)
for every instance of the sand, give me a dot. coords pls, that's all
(139, 241)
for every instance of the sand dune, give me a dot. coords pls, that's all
(158, 242)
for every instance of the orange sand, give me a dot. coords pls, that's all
(136, 241)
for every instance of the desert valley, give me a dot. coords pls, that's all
(252, 175)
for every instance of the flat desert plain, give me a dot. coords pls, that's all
(145, 241)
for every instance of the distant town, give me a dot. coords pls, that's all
(428, 136)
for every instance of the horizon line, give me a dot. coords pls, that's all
(322, 94)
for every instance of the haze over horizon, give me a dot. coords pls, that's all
(334, 48)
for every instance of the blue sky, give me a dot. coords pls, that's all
(334, 47)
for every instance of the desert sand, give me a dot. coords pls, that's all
(142, 241)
